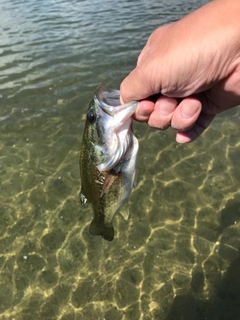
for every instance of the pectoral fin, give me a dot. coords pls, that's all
(107, 183)
(83, 200)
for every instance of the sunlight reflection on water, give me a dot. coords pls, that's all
(178, 253)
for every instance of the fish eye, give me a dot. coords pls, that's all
(91, 117)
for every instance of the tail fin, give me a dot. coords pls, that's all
(106, 231)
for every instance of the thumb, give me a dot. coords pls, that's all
(135, 86)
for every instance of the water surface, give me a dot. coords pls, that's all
(178, 255)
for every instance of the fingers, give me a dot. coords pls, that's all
(185, 117)
(201, 124)
(157, 114)
(167, 112)
(144, 110)
(186, 114)
(189, 120)
(163, 112)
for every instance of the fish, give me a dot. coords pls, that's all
(108, 160)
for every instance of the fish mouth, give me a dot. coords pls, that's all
(109, 101)
(117, 122)
(108, 97)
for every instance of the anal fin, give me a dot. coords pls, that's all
(124, 211)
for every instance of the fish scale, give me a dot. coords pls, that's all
(107, 176)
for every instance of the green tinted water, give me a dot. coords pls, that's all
(178, 255)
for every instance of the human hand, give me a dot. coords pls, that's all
(192, 67)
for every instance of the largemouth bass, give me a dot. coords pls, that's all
(107, 159)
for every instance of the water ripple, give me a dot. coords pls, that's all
(179, 251)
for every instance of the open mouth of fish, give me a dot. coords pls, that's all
(109, 101)
(117, 120)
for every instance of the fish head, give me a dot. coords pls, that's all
(94, 133)
(109, 128)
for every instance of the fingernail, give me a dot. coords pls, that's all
(188, 110)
